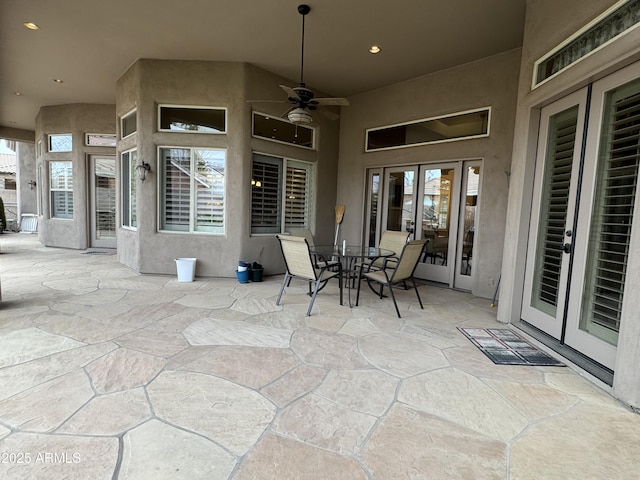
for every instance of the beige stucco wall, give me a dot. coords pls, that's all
(489, 82)
(77, 119)
(229, 85)
(548, 23)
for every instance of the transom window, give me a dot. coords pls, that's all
(279, 130)
(61, 189)
(612, 24)
(192, 119)
(60, 142)
(192, 189)
(281, 194)
(447, 128)
(129, 124)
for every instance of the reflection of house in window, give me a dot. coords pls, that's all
(8, 181)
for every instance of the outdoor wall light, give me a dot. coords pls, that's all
(142, 170)
(32, 184)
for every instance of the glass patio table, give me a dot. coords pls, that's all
(348, 256)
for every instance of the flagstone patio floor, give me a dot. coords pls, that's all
(108, 374)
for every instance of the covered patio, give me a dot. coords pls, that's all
(109, 374)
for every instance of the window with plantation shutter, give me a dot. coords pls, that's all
(61, 189)
(296, 211)
(128, 181)
(612, 216)
(280, 194)
(192, 192)
(553, 210)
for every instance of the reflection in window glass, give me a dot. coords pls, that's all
(60, 142)
(61, 189)
(129, 160)
(433, 130)
(280, 194)
(129, 124)
(192, 119)
(279, 130)
(192, 196)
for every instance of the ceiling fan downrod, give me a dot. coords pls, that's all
(302, 10)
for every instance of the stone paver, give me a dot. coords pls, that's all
(107, 374)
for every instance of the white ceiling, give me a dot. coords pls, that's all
(90, 43)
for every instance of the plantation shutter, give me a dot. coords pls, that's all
(612, 215)
(265, 194)
(176, 165)
(553, 209)
(61, 187)
(297, 195)
(209, 187)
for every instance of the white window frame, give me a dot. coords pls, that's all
(67, 188)
(284, 163)
(100, 139)
(194, 179)
(192, 107)
(282, 142)
(536, 66)
(52, 136)
(123, 118)
(421, 120)
(129, 219)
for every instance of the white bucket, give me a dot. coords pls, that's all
(186, 269)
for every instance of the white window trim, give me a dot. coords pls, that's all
(488, 109)
(122, 118)
(191, 230)
(312, 194)
(49, 137)
(51, 215)
(560, 46)
(109, 136)
(281, 142)
(193, 107)
(133, 179)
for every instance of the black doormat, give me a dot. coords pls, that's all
(505, 347)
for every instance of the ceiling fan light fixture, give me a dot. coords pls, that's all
(299, 116)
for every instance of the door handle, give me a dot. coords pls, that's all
(566, 248)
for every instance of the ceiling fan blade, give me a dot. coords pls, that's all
(291, 93)
(331, 101)
(267, 101)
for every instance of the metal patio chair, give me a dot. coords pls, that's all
(401, 272)
(300, 263)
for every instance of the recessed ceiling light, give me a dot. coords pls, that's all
(18, 94)
(374, 49)
(31, 26)
(57, 80)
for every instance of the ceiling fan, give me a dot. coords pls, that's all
(303, 99)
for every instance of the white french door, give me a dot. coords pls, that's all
(582, 216)
(437, 202)
(552, 216)
(103, 201)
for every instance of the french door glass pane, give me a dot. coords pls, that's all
(553, 210)
(470, 207)
(612, 215)
(400, 201)
(105, 198)
(373, 208)
(436, 212)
